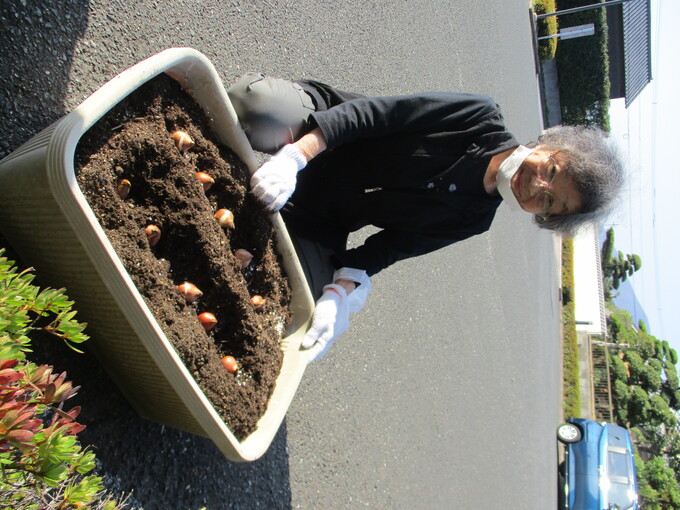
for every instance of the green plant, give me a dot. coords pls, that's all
(546, 27)
(583, 67)
(571, 385)
(42, 466)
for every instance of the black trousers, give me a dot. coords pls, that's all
(274, 112)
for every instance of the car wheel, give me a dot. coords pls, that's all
(569, 433)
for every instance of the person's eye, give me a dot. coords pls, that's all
(552, 170)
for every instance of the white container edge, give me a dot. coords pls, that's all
(198, 76)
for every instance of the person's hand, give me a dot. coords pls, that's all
(331, 315)
(274, 182)
(330, 320)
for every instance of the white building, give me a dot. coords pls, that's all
(591, 326)
(588, 288)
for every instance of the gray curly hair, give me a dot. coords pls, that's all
(594, 163)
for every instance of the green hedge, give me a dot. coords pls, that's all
(546, 26)
(571, 384)
(583, 67)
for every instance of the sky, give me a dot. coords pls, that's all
(648, 220)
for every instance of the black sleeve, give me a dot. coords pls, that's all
(380, 116)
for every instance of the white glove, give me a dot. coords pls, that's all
(330, 320)
(357, 298)
(274, 182)
(331, 315)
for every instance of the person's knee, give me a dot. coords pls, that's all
(272, 111)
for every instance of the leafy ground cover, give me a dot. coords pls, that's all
(42, 465)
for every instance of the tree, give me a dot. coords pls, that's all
(638, 406)
(646, 346)
(635, 262)
(661, 479)
(607, 247)
(621, 326)
(659, 349)
(669, 387)
(646, 396)
(616, 269)
(618, 370)
(621, 393)
(672, 452)
(606, 254)
(621, 267)
(660, 413)
(636, 365)
(650, 377)
(616, 327)
(648, 496)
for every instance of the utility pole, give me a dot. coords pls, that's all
(579, 9)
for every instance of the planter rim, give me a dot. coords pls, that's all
(57, 145)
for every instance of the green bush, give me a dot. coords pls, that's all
(583, 66)
(638, 406)
(621, 394)
(651, 376)
(567, 295)
(641, 324)
(42, 466)
(546, 26)
(635, 365)
(571, 382)
(664, 492)
(646, 345)
(666, 347)
(617, 369)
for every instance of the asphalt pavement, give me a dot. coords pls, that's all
(445, 392)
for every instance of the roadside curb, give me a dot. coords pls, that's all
(548, 80)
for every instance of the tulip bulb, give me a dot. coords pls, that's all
(225, 218)
(153, 234)
(207, 320)
(244, 257)
(190, 292)
(257, 301)
(182, 140)
(230, 364)
(123, 188)
(205, 180)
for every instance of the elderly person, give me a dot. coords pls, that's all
(427, 169)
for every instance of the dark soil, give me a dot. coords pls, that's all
(133, 141)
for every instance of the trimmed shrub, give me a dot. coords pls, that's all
(571, 382)
(546, 27)
(583, 66)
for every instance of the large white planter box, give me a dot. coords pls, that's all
(49, 223)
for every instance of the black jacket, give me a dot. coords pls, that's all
(384, 153)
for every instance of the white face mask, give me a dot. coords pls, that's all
(507, 169)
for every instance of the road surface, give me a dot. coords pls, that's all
(445, 392)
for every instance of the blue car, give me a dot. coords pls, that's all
(599, 468)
